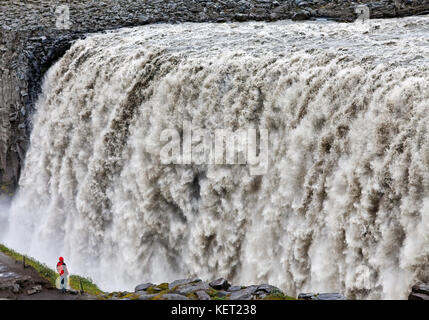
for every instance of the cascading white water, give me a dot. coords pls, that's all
(344, 203)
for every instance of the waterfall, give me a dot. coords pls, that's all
(343, 204)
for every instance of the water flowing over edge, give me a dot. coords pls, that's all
(343, 206)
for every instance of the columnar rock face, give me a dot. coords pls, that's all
(33, 34)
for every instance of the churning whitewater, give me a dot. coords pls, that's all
(343, 206)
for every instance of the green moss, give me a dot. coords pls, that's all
(153, 290)
(163, 286)
(192, 296)
(130, 295)
(159, 296)
(212, 292)
(278, 296)
(51, 275)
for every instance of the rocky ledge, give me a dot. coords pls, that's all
(219, 289)
(419, 292)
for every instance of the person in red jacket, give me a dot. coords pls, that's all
(62, 270)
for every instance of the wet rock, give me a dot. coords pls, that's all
(173, 296)
(418, 296)
(321, 296)
(244, 294)
(306, 296)
(300, 16)
(74, 292)
(421, 288)
(143, 287)
(234, 288)
(187, 289)
(220, 284)
(223, 293)
(267, 289)
(16, 288)
(331, 296)
(202, 295)
(144, 296)
(240, 295)
(419, 292)
(182, 282)
(32, 291)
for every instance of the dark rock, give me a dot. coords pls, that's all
(419, 292)
(182, 282)
(202, 295)
(300, 16)
(244, 294)
(240, 295)
(321, 296)
(143, 287)
(173, 296)
(223, 293)
(418, 296)
(306, 296)
(267, 289)
(144, 296)
(234, 288)
(421, 288)
(220, 284)
(187, 289)
(331, 296)
(72, 292)
(32, 291)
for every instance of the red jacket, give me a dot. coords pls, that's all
(62, 268)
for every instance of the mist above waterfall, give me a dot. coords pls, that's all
(343, 205)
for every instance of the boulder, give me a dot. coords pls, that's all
(234, 288)
(331, 296)
(267, 289)
(419, 292)
(144, 296)
(32, 291)
(321, 296)
(300, 16)
(202, 295)
(421, 288)
(173, 296)
(182, 282)
(240, 295)
(244, 294)
(306, 296)
(220, 284)
(222, 293)
(190, 288)
(418, 296)
(143, 287)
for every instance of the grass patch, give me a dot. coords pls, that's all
(87, 284)
(51, 275)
